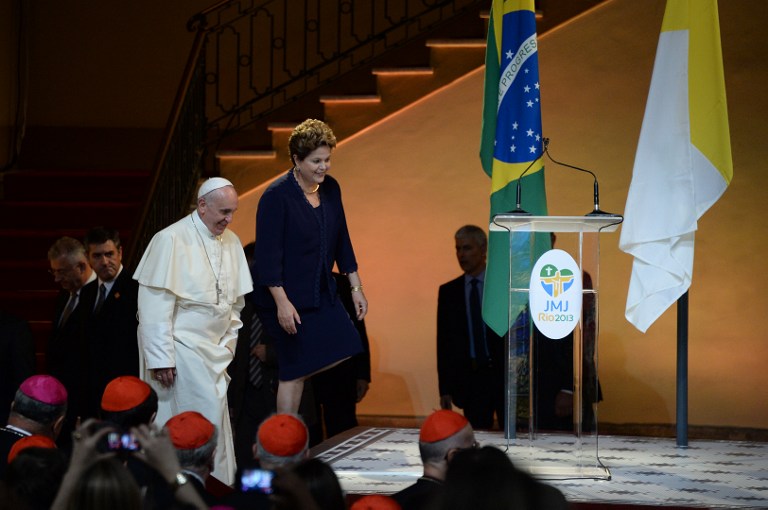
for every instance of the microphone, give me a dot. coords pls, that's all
(519, 211)
(596, 211)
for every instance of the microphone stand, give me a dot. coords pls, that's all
(596, 211)
(519, 211)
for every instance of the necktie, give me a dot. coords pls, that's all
(100, 299)
(71, 304)
(255, 370)
(478, 329)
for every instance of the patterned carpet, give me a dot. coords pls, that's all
(637, 471)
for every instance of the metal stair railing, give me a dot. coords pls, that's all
(251, 57)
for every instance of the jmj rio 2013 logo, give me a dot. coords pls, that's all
(555, 294)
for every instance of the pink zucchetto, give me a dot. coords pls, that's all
(46, 389)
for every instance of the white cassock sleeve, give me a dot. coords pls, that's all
(155, 332)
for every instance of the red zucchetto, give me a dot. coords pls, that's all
(123, 393)
(441, 425)
(29, 442)
(189, 430)
(375, 502)
(283, 435)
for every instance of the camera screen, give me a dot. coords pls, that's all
(129, 442)
(126, 442)
(256, 480)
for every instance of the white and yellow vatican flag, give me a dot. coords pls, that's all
(683, 162)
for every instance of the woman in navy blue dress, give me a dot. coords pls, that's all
(301, 231)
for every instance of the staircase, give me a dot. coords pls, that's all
(69, 181)
(371, 93)
(359, 99)
(52, 195)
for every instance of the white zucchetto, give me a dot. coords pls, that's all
(212, 184)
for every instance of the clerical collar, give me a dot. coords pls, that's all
(17, 430)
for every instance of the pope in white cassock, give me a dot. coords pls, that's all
(193, 278)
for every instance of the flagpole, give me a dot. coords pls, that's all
(682, 371)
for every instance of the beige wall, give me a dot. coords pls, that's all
(412, 179)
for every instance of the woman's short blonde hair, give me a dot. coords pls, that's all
(308, 136)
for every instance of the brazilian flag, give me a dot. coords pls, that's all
(511, 142)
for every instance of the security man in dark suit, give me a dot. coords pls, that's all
(111, 302)
(470, 356)
(65, 352)
(252, 392)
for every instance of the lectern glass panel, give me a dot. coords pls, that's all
(553, 389)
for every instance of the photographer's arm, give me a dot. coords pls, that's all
(157, 451)
(291, 492)
(84, 453)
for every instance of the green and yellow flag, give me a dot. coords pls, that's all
(511, 142)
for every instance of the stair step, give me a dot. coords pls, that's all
(71, 215)
(92, 148)
(282, 126)
(51, 185)
(26, 275)
(41, 332)
(404, 71)
(399, 87)
(34, 244)
(351, 99)
(246, 154)
(281, 132)
(35, 306)
(456, 43)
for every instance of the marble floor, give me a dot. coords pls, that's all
(609, 470)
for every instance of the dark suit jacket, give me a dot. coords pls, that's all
(111, 343)
(7, 439)
(454, 365)
(206, 496)
(66, 355)
(17, 359)
(238, 368)
(292, 246)
(419, 495)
